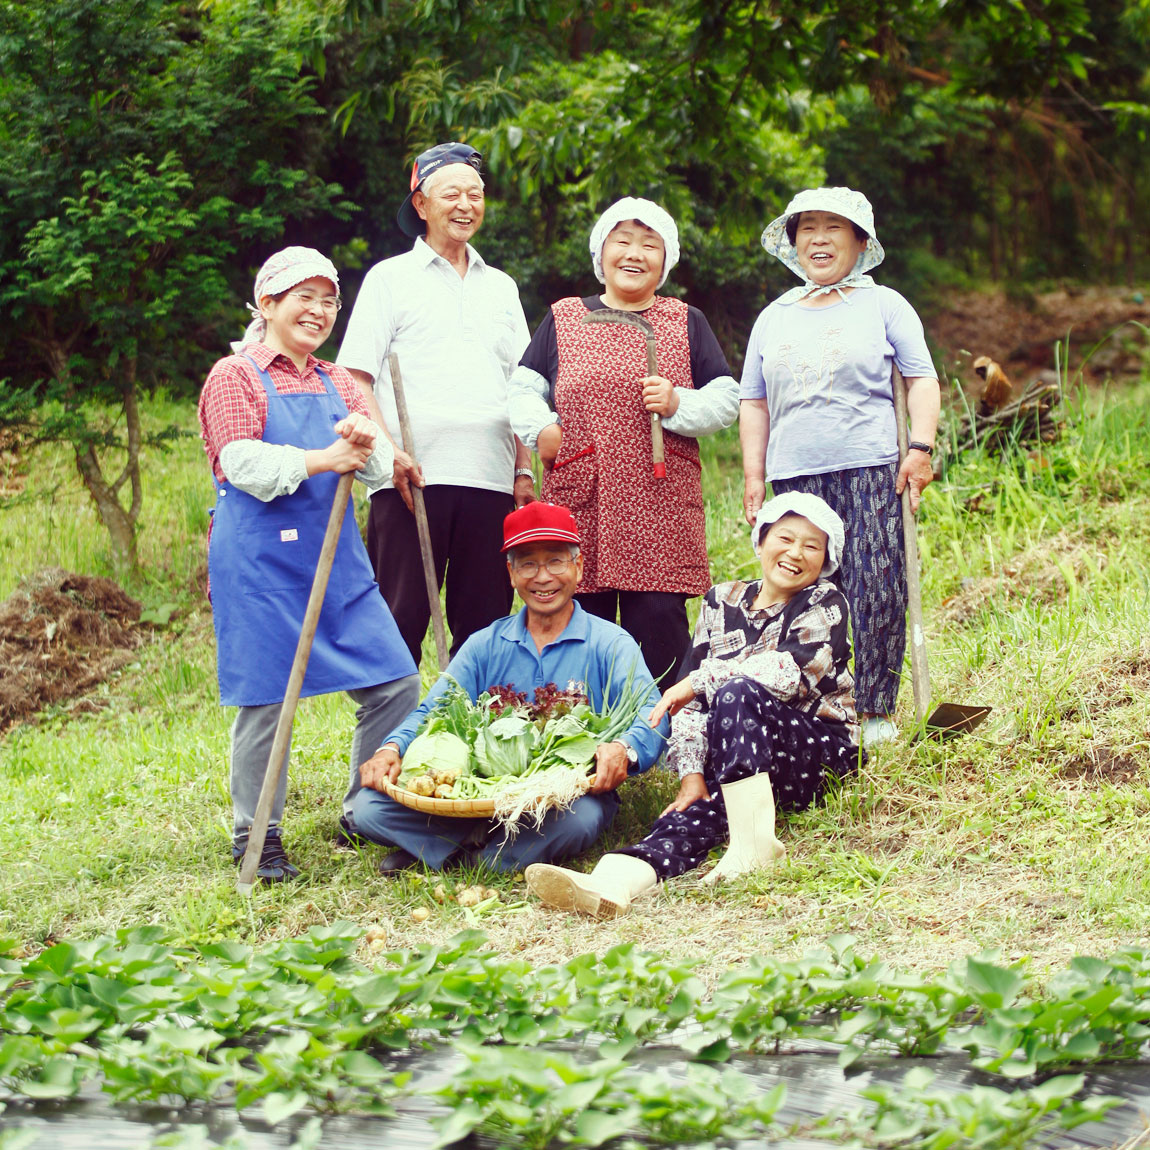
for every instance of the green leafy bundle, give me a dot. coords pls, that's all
(525, 756)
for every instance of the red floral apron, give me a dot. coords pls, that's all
(639, 533)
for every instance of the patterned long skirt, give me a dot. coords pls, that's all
(748, 731)
(873, 574)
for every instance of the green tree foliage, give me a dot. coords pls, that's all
(147, 149)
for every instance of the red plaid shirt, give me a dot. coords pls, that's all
(234, 405)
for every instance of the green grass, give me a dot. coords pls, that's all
(1027, 836)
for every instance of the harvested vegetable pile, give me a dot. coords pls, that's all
(525, 757)
(60, 635)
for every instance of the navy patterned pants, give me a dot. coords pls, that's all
(748, 731)
(873, 574)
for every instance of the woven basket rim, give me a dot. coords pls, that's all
(451, 808)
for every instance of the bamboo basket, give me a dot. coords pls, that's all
(451, 808)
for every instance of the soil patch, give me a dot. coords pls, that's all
(1104, 765)
(60, 635)
(1020, 333)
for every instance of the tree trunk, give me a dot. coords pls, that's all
(119, 521)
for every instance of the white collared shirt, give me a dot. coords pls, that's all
(458, 339)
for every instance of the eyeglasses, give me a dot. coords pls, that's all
(329, 303)
(556, 566)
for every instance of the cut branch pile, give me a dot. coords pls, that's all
(60, 635)
(1028, 420)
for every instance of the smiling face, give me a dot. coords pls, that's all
(827, 246)
(451, 203)
(792, 552)
(295, 328)
(633, 256)
(545, 592)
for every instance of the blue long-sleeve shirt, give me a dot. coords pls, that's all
(591, 656)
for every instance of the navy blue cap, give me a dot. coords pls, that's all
(426, 163)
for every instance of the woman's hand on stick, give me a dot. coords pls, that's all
(918, 471)
(692, 788)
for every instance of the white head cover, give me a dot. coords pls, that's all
(281, 273)
(809, 507)
(646, 212)
(845, 202)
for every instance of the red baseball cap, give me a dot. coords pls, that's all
(539, 523)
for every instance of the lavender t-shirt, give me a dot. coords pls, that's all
(826, 376)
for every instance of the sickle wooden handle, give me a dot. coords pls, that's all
(658, 464)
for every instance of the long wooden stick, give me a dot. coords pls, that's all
(257, 834)
(919, 672)
(421, 525)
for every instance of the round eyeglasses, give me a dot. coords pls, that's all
(330, 303)
(558, 565)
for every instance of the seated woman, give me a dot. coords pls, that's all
(764, 714)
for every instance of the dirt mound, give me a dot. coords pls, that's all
(60, 635)
(1020, 333)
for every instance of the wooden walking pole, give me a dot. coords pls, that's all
(257, 834)
(421, 526)
(919, 672)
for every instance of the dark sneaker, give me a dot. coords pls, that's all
(274, 866)
(347, 838)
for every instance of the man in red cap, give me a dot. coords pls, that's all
(552, 640)
(458, 328)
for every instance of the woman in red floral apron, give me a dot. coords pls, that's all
(582, 398)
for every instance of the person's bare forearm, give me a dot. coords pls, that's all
(922, 405)
(754, 431)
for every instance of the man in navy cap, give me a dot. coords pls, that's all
(458, 329)
(551, 640)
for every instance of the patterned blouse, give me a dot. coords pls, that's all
(798, 650)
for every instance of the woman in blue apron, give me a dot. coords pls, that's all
(279, 427)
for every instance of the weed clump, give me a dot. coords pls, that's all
(61, 634)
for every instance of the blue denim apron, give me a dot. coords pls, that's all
(262, 560)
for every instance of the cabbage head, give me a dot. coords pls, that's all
(437, 749)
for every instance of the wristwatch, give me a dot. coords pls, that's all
(525, 472)
(914, 445)
(632, 754)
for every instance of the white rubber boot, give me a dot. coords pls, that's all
(604, 893)
(750, 807)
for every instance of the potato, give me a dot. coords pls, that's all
(469, 896)
(444, 791)
(440, 893)
(420, 914)
(447, 776)
(422, 786)
(374, 933)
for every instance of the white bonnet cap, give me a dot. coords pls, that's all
(281, 273)
(646, 212)
(845, 202)
(809, 507)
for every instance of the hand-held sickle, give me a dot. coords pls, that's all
(948, 719)
(633, 319)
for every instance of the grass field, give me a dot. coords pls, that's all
(1027, 837)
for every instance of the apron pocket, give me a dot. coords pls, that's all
(282, 554)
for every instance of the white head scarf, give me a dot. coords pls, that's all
(281, 273)
(646, 212)
(845, 202)
(809, 507)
